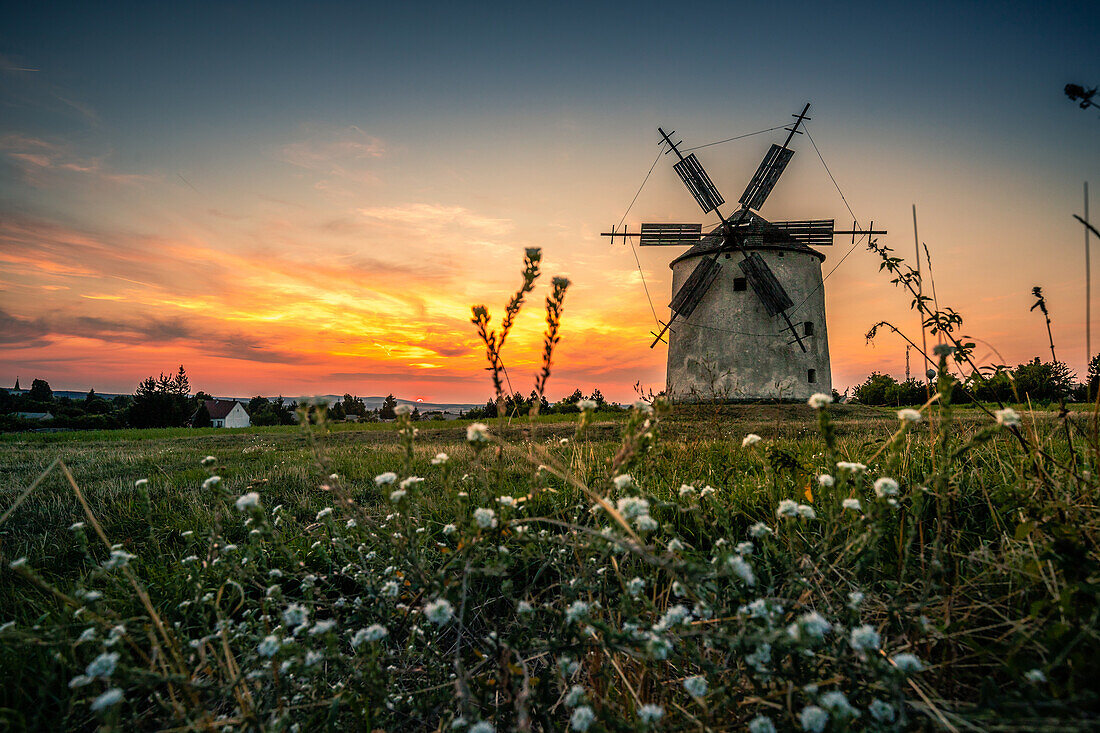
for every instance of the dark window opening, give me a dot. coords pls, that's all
(728, 255)
(809, 328)
(740, 283)
(778, 254)
(811, 375)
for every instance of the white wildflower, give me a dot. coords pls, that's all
(269, 646)
(108, 699)
(885, 487)
(854, 599)
(632, 507)
(909, 415)
(1035, 676)
(645, 523)
(813, 719)
(1007, 417)
(742, 569)
(819, 401)
(523, 607)
(623, 481)
(787, 508)
(118, 559)
(881, 711)
(440, 459)
(485, 518)
(324, 513)
(908, 663)
(439, 611)
(403, 409)
(696, 686)
(836, 702)
(248, 501)
(674, 545)
(761, 724)
(864, 637)
(635, 586)
(750, 440)
(390, 589)
(295, 615)
(643, 407)
(322, 627)
(374, 632)
(482, 726)
(650, 713)
(209, 461)
(582, 718)
(477, 433)
(397, 495)
(141, 483)
(211, 482)
(577, 609)
(706, 491)
(812, 624)
(102, 666)
(506, 500)
(575, 696)
(760, 530)
(851, 467)
(686, 490)
(745, 548)
(385, 479)
(806, 511)
(852, 504)
(826, 481)
(585, 405)
(313, 657)
(449, 529)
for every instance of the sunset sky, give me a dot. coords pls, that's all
(307, 199)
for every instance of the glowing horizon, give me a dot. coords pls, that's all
(321, 221)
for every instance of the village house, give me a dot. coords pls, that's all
(226, 414)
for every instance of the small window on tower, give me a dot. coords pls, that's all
(779, 253)
(740, 283)
(809, 326)
(811, 376)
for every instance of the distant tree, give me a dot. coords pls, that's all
(95, 405)
(1038, 380)
(388, 405)
(415, 414)
(336, 411)
(597, 397)
(162, 402)
(40, 391)
(7, 402)
(202, 417)
(202, 396)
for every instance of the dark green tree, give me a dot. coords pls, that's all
(388, 405)
(202, 417)
(40, 391)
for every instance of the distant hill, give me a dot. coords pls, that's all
(372, 403)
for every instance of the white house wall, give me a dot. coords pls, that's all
(237, 417)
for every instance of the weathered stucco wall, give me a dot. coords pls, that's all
(731, 349)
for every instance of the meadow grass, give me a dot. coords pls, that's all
(989, 590)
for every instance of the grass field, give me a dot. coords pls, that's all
(982, 568)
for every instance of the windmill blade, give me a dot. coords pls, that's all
(662, 235)
(812, 232)
(698, 183)
(699, 281)
(765, 284)
(773, 165)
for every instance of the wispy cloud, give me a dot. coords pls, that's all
(424, 218)
(343, 153)
(43, 162)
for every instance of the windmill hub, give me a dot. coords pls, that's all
(748, 304)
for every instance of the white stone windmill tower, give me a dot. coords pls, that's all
(748, 304)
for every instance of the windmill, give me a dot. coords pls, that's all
(732, 332)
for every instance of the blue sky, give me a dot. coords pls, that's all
(276, 132)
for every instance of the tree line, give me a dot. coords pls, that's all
(1037, 381)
